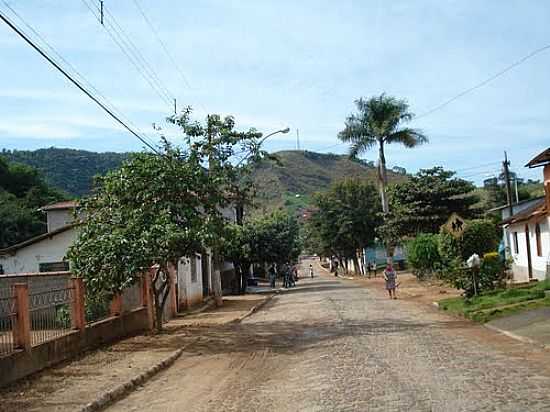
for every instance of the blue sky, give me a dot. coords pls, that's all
(274, 64)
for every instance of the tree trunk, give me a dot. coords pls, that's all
(383, 183)
(382, 177)
(356, 266)
(217, 280)
(161, 291)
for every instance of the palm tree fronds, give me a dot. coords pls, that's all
(408, 137)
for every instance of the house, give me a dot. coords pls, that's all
(527, 231)
(46, 252)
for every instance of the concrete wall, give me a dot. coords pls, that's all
(189, 282)
(48, 250)
(22, 363)
(538, 263)
(59, 218)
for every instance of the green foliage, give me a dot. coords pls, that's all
(345, 219)
(72, 171)
(480, 236)
(22, 192)
(424, 202)
(423, 254)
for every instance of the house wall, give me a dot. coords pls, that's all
(59, 218)
(520, 262)
(49, 250)
(189, 282)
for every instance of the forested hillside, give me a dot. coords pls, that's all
(68, 169)
(22, 192)
(291, 181)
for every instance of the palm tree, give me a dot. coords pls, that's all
(377, 123)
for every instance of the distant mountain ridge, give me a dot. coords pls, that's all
(297, 172)
(68, 169)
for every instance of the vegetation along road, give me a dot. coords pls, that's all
(330, 344)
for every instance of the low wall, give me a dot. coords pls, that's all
(49, 353)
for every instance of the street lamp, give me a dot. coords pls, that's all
(283, 131)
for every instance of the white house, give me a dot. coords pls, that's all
(46, 252)
(527, 232)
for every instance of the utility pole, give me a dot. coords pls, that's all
(175, 108)
(506, 165)
(101, 11)
(516, 187)
(297, 139)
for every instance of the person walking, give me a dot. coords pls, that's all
(390, 276)
(272, 275)
(311, 270)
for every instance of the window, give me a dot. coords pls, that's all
(539, 242)
(516, 244)
(53, 267)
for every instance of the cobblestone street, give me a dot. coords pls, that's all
(331, 345)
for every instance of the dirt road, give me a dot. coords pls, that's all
(331, 345)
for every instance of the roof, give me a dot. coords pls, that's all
(539, 209)
(48, 235)
(540, 160)
(495, 209)
(68, 204)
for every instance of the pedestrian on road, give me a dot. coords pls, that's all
(272, 275)
(390, 276)
(311, 270)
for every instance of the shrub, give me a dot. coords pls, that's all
(480, 236)
(423, 254)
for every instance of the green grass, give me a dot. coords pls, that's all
(499, 303)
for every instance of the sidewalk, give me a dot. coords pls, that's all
(531, 326)
(74, 384)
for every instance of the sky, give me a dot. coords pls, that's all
(277, 64)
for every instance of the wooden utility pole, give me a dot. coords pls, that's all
(506, 165)
(101, 11)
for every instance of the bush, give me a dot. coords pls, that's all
(423, 254)
(480, 236)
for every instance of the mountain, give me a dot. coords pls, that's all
(288, 183)
(298, 174)
(68, 169)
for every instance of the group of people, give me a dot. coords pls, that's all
(288, 272)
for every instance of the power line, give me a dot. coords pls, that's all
(484, 82)
(165, 48)
(67, 63)
(117, 38)
(72, 80)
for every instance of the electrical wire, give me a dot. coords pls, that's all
(78, 74)
(484, 82)
(116, 37)
(50, 60)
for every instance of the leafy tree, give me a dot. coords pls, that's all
(345, 219)
(424, 202)
(22, 193)
(157, 208)
(378, 122)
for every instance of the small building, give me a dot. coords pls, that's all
(527, 231)
(46, 252)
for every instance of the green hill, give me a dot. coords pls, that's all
(299, 174)
(68, 169)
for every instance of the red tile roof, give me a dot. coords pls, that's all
(540, 160)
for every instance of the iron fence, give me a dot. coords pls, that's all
(7, 324)
(50, 314)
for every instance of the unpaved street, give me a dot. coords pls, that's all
(331, 345)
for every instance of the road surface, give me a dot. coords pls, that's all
(332, 345)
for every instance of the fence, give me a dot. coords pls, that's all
(50, 314)
(7, 323)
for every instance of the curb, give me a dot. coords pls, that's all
(254, 309)
(209, 304)
(124, 389)
(519, 338)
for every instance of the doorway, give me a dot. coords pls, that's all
(205, 266)
(528, 242)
